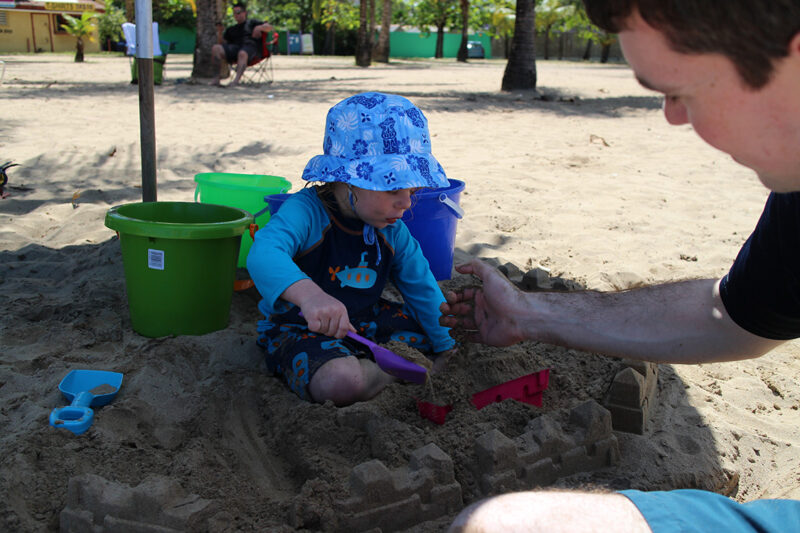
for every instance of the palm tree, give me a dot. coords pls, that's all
(520, 70)
(462, 50)
(80, 28)
(382, 49)
(209, 31)
(363, 42)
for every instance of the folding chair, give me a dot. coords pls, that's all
(259, 70)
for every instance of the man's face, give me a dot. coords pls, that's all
(239, 14)
(758, 128)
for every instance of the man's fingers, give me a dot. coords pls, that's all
(465, 295)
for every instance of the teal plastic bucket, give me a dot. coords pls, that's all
(244, 191)
(432, 220)
(180, 264)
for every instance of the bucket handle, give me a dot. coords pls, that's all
(196, 192)
(244, 284)
(261, 212)
(457, 211)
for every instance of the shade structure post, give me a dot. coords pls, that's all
(147, 125)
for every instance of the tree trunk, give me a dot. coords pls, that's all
(520, 70)
(587, 52)
(330, 39)
(209, 16)
(604, 53)
(79, 51)
(462, 50)
(439, 41)
(547, 42)
(362, 44)
(371, 31)
(382, 49)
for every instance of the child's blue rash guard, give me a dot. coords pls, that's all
(304, 241)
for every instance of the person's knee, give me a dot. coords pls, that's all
(553, 511)
(242, 56)
(342, 381)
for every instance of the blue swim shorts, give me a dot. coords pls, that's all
(689, 510)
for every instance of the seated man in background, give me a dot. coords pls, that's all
(239, 44)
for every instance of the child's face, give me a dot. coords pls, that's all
(382, 208)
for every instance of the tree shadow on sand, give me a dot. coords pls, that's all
(336, 82)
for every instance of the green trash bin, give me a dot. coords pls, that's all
(158, 70)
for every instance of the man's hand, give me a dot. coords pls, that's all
(261, 28)
(489, 314)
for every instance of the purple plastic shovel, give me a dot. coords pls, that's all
(390, 362)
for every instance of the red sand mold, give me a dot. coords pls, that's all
(527, 389)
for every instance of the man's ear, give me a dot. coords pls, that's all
(794, 46)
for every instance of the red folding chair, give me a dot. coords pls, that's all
(259, 70)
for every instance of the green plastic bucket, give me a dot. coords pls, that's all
(180, 264)
(245, 191)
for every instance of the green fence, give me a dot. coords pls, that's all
(402, 44)
(414, 44)
(181, 39)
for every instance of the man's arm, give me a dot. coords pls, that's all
(683, 322)
(261, 28)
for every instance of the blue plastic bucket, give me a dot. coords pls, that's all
(431, 220)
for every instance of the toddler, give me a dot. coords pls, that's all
(332, 247)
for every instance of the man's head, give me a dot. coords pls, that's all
(752, 115)
(240, 12)
(751, 33)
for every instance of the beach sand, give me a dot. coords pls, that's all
(583, 180)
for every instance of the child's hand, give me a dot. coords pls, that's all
(327, 315)
(323, 313)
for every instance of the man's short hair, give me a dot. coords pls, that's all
(751, 33)
(240, 5)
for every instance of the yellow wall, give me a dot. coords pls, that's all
(25, 29)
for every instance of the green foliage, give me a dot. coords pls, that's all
(109, 24)
(553, 14)
(402, 13)
(288, 14)
(495, 17)
(82, 27)
(343, 12)
(175, 13)
(445, 13)
(576, 19)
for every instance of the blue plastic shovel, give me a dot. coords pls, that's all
(84, 388)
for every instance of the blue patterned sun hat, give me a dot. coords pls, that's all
(378, 142)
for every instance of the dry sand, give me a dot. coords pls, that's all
(588, 182)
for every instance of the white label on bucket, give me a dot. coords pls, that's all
(155, 259)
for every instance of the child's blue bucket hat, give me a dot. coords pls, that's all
(378, 142)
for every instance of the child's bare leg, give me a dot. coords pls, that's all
(348, 380)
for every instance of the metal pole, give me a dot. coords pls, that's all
(147, 123)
